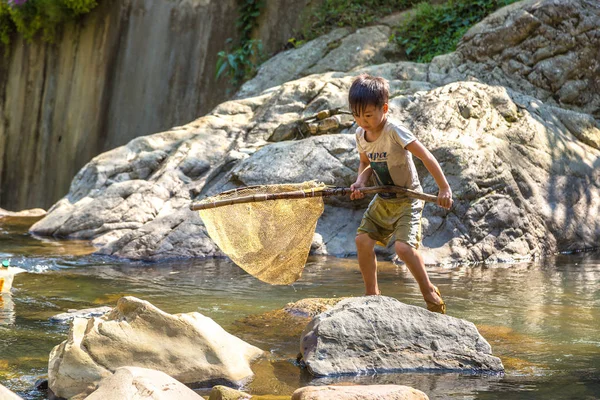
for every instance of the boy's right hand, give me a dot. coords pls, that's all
(356, 193)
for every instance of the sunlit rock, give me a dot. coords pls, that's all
(134, 383)
(377, 334)
(189, 347)
(6, 394)
(379, 392)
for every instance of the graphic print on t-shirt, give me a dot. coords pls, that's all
(382, 174)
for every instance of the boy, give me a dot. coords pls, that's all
(386, 149)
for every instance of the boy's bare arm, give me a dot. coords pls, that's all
(364, 173)
(432, 165)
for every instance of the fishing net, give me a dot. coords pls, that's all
(269, 239)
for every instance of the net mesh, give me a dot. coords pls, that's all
(270, 239)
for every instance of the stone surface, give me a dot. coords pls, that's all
(377, 334)
(548, 49)
(189, 347)
(134, 383)
(369, 392)
(115, 90)
(6, 394)
(85, 313)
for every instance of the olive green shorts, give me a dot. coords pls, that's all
(397, 218)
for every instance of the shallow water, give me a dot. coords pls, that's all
(542, 319)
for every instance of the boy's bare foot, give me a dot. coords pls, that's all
(434, 301)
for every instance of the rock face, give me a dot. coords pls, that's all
(379, 392)
(380, 334)
(549, 49)
(133, 383)
(106, 89)
(524, 173)
(189, 347)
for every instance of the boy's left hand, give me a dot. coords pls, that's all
(445, 198)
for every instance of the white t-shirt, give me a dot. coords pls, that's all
(392, 164)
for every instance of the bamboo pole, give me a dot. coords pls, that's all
(302, 194)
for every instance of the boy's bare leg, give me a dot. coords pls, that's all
(367, 261)
(413, 260)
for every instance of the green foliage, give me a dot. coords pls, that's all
(352, 13)
(437, 29)
(43, 17)
(241, 62)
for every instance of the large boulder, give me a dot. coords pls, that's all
(524, 172)
(549, 49)
(134, 383)
(189, 347)
(380, 334)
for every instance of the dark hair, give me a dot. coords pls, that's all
(367, 90)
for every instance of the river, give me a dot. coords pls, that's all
(541, 318)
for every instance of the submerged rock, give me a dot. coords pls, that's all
(134, 383)
(189, 347)
(367, 392)
(225, 393)
(380, 334)
(85, 313)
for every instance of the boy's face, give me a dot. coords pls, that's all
(372, 119)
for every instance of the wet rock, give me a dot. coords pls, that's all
(283, 327)
(380, 392)
(6, 394)
(85, 313)
(188, 347)
(134, 383)
(377, 334)
(226, 393)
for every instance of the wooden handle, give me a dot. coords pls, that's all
(302, 194)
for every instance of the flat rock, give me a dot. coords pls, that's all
(378, 334)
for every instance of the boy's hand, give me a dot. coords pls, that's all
(356, 193)
(445, 198)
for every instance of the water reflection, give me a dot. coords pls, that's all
(7, 309)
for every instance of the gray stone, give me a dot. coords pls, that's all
(377, 334)
(555, 42)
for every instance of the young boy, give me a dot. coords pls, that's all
(386, 149)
